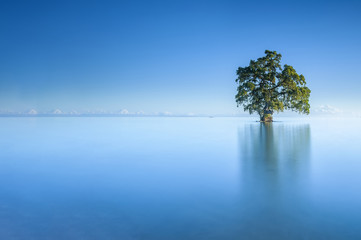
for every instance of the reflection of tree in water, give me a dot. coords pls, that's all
(274, 156)
(274, 162)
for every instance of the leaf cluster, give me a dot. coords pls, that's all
(266, 86)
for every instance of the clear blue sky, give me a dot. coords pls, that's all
(177, 56)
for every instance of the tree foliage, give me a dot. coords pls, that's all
(265, 86)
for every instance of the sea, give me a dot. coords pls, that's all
(183, 178)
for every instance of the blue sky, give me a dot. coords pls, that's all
(176, 56)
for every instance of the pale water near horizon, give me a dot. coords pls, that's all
(179, 178)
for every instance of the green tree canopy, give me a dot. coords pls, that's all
(265, 86)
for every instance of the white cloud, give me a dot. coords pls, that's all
(165, 113)
(356, 114)
(124, 111)
(327, 109)
(57, 111)
(32, 112)
(73, 112)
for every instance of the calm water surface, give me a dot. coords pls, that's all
(179, 178)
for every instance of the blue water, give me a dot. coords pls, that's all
(179, 178)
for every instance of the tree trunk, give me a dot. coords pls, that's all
(267, 116)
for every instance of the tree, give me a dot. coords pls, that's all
(265, 87)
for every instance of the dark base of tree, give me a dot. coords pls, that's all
(266, 118)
